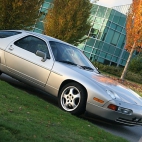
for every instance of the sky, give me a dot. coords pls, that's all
(111, 3)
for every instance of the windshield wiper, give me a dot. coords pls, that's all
(68, 62)
(87, 68)
(71, 63)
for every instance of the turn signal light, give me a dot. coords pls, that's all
(98, 100)
(113, 107)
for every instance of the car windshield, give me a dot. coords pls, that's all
(70, 55)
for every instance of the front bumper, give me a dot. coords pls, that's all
(134, 119)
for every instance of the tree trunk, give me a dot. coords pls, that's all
(127, 63)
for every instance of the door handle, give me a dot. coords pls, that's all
(11, 48)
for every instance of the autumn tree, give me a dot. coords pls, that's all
(68, 20)
(133, 31)
(19, 14)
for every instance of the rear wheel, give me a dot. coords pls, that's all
(72, 98)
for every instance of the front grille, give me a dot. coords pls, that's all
(128, 122)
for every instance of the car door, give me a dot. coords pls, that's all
(22, 61)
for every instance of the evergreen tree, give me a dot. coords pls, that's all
(19, 14)
(68, 20)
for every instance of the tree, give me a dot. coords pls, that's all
(68, 20)
(19, 14)
(133, 31)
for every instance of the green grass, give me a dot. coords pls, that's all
(28, 118)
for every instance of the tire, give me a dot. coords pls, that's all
(0, 72)
(72, 98)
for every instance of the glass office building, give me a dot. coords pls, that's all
(38, 27)
(106, 37)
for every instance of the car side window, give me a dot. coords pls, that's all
(32, 44)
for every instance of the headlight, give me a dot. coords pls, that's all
(125, 110)
(120, 109)
(112, 94)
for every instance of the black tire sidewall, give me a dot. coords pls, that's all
(83, 98)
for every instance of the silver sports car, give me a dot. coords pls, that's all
(63, 71)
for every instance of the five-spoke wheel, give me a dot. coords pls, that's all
(72, 98)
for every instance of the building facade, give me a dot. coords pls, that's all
(106, 37)
(38, 27)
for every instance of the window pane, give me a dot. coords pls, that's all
(32, 44)
(98, 52)
(105, 47)
(113, 26)
(116, 17)
(101, 45)
(39, 25)
(121, 41)
(108, 23)
(115, 38)
(118, 28)
(90, 42)
(88, 49)
(111, 15)
(117, 52)
(111, 49)
(108, 13)
(101, 11)
(97, 26)
(124, 31)
(98, 20)
(46, 5)
(102, 54)
(100, 60)
(4, 34)
(114, 59)
(38, 30)
(94, 51)
(108, 56)
(122, 20)
(97, 44)
(123, 62)
(125, 55)
(87, 54)
(109, 36)
(104, 34)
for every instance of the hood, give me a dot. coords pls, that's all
(125, 94)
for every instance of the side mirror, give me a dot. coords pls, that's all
(41, 54)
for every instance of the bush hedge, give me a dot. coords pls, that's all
(136, 65)
(117, 71)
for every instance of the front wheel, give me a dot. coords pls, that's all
(72, 98)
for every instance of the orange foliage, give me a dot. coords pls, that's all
(134, 26)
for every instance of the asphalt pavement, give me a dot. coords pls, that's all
(133, 134)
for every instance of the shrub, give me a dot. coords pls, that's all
(117, 71)
(136, 65)
(108, 69)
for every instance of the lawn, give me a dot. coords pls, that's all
(29, 118)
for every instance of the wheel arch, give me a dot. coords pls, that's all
(81, 108)
(71, 81)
